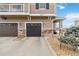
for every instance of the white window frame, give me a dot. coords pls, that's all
(10, 6)
(5, 4)
(42, 8)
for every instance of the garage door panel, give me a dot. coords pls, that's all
(8, 29)
(33, 29)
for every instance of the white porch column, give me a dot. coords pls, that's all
(60, 28)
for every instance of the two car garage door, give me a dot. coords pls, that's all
(11, 29)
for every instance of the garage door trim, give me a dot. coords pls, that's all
(33, 22)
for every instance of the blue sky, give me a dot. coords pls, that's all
(70, 11)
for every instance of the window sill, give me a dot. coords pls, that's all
(42, 9)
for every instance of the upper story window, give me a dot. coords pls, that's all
(11, 7)
(16, 7)
(4, 8)
(42, 5)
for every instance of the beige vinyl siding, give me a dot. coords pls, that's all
(46, 23)
(33, 9)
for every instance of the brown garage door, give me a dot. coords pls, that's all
(8, 29)
(33, 29)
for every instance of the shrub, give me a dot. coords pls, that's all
(71, 36)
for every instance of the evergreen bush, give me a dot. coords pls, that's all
(71, 36)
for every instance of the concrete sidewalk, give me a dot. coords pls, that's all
(31, 46)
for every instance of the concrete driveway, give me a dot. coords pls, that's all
(31, 46)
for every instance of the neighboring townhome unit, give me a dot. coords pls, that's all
(27, 19)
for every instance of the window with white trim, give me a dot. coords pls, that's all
(16, 7)
(42, 5)
(4, 8)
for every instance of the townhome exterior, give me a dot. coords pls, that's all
(27, 19)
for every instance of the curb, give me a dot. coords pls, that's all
(51, 49)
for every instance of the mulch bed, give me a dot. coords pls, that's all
(65, 50)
